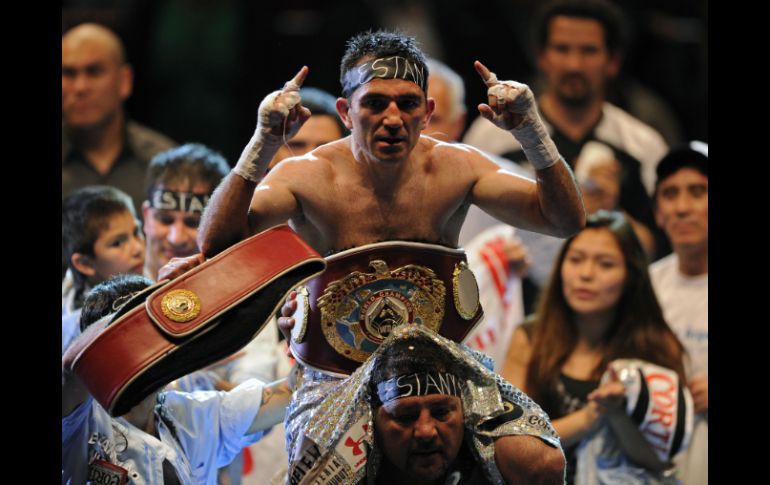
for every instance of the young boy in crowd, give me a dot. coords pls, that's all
(101, 238)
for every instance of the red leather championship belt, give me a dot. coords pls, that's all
(206, 314)
(346, 312)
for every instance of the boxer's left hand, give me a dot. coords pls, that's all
(510, 103)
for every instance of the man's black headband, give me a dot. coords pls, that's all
(420, 384)
(178, 201)
(394, 67)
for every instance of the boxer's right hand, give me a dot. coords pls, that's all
(281, 113)
(178, 266)
(286, 321)
(279, 117)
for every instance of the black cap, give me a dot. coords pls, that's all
(694, 155)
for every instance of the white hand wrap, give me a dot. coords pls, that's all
(531, 133)
(272, 113)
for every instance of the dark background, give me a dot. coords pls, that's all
(202, 66)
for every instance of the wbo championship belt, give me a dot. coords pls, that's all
(345, 313)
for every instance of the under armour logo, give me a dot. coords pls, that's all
(356, 444)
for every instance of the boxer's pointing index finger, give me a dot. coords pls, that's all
(487, 75)
(299, 79)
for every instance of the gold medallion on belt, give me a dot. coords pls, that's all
(181, 305)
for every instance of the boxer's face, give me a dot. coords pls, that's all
(386, 117)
